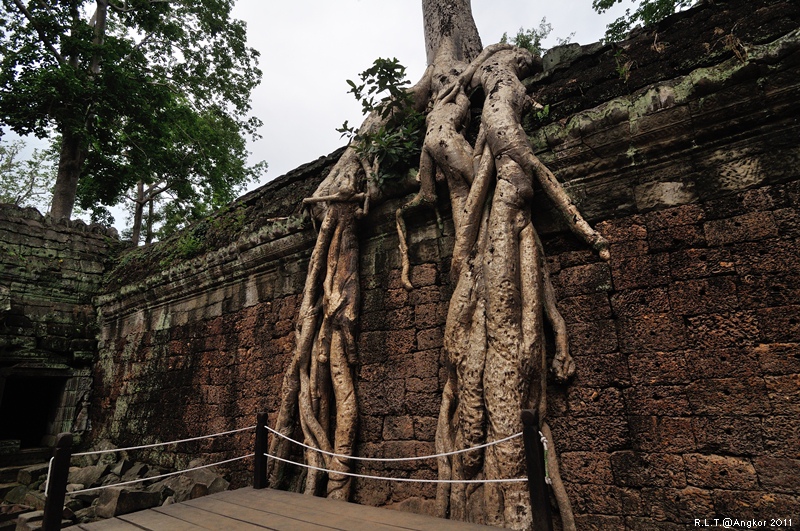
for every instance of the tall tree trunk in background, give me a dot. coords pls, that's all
(73, 148)
(138, 213)
(494, 333)
(70, 164)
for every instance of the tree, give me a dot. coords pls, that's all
(503, 298)
(531, 38)
(25, 182)
(647, 12)
(115, 78)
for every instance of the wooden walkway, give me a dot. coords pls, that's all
(249, 509)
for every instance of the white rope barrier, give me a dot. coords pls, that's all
(98, 452)
(160, 476)
(391, 459)
(406, 480)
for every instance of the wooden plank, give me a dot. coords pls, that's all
(111, 524)
(156, 521)
(307, 513)
(365, 513)
(206, 520)
(282, 522)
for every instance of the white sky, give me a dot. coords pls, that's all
(310, 47)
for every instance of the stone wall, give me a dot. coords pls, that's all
(49, 273)
(686, 400)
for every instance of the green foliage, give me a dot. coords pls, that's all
(531, 39)
(396, 144)
(647, 12)
(26, 182)
(160, 92)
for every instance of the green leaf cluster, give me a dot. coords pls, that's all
(531, 39)
(647, 12)
(396, 144)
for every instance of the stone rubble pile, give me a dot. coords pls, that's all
(23, 500)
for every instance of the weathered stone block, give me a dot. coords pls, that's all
(747, 227)
(586, 467)
(32, 474)
(720, 472)
(657, 400)
(590, 434)
(654, 368)
(640, 271)
(779, 358)
(738, 435)
(585, 279)
(722, 363)
(780, 324)
(592, 338)
(652, 332)
(662, 434)
(720, 331)
(115, 501)
(674, 217)
(728, 396)
(604, 499)
(754, 505)
(708, 295)
(698, 263)
(398, 428)
(677, 505)
(588, 402)
(585, 308)
(778, 474)
(601, 370)
(637, 302)
(784, 393)
(635, 469)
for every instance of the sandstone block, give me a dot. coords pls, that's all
(120, 500)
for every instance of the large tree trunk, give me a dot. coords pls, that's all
(450, 22)
(70, 164)
(502, 299)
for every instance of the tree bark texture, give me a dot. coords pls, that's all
(70, 164)
(502, 300)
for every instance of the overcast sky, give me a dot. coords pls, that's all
(310, 47)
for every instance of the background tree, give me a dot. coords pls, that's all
(646, 12)
(26, 181)
(113, 77)
(531, 38)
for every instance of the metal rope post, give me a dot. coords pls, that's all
(540, 496)
(57, 483)
(260, 459)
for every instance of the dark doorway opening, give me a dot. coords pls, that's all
(28, 408)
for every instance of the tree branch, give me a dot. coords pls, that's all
(40, 31)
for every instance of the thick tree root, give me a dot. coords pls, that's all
(502, 299)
